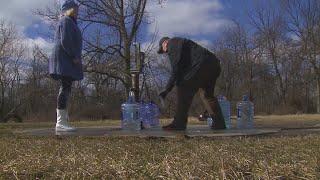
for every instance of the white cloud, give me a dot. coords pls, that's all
(187, 18)
(40, 42)
(20, 12)
(204, 42)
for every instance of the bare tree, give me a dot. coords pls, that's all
(270, 37)
(120, 20)
(236, 52)
(11, 53)
(304, 24)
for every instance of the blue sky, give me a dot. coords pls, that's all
(200, 20)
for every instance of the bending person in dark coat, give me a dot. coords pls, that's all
(193, 68)
(65, 63)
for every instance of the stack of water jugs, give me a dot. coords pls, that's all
(146, 115)
(245, 113)
(139, 115)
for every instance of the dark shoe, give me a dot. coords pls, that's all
(218, 122)
(173, 127)
(218, 127)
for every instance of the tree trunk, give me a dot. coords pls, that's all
(2, 103)
(318, 94)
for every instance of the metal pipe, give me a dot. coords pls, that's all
(162, 102)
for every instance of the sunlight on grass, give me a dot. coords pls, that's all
(287, 157)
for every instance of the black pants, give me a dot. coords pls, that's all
(64, 92)
(205, 81)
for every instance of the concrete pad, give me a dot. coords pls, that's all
(300, 131)
(113, 131)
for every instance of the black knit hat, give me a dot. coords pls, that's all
(68, 4)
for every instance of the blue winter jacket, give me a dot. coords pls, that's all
(67, 48)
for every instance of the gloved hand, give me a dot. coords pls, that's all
(163, 94)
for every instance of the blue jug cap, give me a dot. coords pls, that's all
(245, 98)
(131, 98)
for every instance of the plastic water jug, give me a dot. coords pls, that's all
(226, 111)
(149, 115)
(245, 113)
(130, 114)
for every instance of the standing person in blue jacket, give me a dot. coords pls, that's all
(65, 64)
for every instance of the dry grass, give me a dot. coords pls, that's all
(278, 121)
(287, 157)
(288, 121)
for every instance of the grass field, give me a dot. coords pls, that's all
(280, 157)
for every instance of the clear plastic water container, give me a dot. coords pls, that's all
(155, 122)
(149, 115)
(130, 114)
(143, 114)
(245, 113)
(210, 121)
(226, 110)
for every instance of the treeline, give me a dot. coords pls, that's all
(274, 58)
